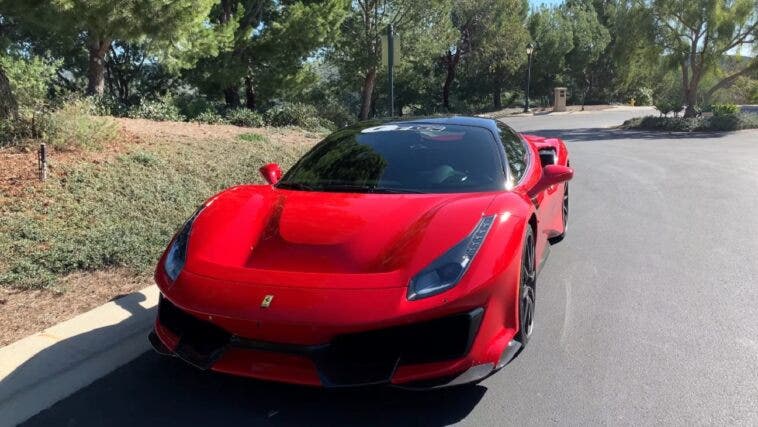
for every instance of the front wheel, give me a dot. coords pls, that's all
(527, 288)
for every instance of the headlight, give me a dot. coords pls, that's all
(447, 270)
(177, 252)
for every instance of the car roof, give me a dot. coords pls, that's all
(482, 122)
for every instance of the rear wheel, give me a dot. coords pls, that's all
(527, 288)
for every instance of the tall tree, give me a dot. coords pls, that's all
(472, 19)
(697, 34)
(178, 26)
(359, 47)
(272, 41)
(553, 37)
(503, 50)
(590, 38)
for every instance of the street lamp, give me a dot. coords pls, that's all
(529, 52)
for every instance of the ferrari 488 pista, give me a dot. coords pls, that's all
(402, 252)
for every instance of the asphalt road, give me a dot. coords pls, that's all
(647, 313)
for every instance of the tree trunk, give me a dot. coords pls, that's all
(232, 96)
(451, 60)
(8, 104)
(96, 68)
(249, 93)
(497, 93)
(689, 89)
(367, 93)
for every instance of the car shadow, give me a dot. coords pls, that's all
(609, 134)
(153, 389)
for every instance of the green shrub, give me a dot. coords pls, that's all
(338, 115)
(107, 105)
(18, 132)
(664, 107)
(725, 110)
(192, 106)
(30, 80)
(245, 117)
(210, 117)
(691, 124)
(162, 110)
(643, 96)
(290, 114)
(74, 127)
(252, 137)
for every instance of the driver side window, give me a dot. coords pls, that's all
(515, 150)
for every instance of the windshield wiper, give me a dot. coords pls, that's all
(383, 190)
(368, 189)
(295, 186)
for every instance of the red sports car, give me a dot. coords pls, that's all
(402, 252)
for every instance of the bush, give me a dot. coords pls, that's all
(725, 110)
(245, 117)
(17, 132)
(338, 115)
(107, 105)
(691, 124)
(73, 127)
(191, 106)
(30, 80)
(252, 137)
(643, 96)
(210, 117)
(664, 107)
(290, 114)
(162, 110)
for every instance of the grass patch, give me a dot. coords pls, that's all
(123, 212)
(252, 137)
(715, 123)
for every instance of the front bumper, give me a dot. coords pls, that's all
(352, 359)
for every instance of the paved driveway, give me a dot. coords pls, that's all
(646, 313)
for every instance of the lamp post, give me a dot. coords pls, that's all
(529, 52)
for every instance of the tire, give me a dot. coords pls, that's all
(564, 213)
(527, 289)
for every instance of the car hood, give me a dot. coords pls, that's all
(302, 238)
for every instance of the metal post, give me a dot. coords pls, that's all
(390, 67)
(42, 157)
(528, 81)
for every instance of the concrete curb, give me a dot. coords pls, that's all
(38, 371)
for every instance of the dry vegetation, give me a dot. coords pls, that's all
(94, 230)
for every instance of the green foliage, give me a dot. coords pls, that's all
(160, 110)
(74, 127)
(107, 105)
(723, 110)
(245, 117)
(697, 35)
(252, 137)
(643, 96)
(30, 80)
(290, 114)
(123, 212)
(692, 124)
(210, 117)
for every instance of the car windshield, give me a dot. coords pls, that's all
(401, 158)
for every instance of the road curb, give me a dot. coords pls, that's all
(39, 370)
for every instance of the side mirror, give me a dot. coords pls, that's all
(552, 175)
(271, 172)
